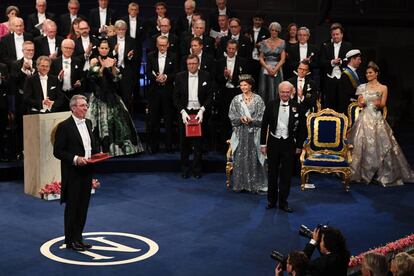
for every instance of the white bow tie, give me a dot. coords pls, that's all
(43, 78)
(80, 121)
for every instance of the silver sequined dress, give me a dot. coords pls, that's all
(248, 162)
(376, 156)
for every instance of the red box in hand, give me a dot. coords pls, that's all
(193, 127)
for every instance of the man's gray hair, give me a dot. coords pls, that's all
(74, 100)
(120, 24)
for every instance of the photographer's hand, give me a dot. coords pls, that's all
(315, 234)
(278, 270)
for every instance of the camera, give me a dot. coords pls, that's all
(304, 231)
(279, 257)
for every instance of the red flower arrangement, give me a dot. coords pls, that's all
(55, 186)
(404, 244)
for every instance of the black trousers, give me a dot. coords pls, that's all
(186, 144)
(76, 209)
(280, 154)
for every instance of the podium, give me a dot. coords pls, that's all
(40, 166)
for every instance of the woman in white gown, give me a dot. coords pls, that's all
(376, 156)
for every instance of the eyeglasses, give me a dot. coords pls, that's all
(83, 105)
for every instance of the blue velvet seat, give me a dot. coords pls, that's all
(326, 149)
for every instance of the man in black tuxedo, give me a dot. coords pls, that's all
(284, 119)
(123, 49)
(11, 45)
(207, 62)
(69, 71)
(229, 69)
(302, 51)
(199, 28)
(38, 17)
(49, 44)
(74, 145)
(20, 70)
(165, 30)
(100, 18)
(161, 69)
(245, 46)
(256, 34)
(65, 20)
(222, 9)
(349, 81)
(152, 25)
(192, 95)
(306, 89)
(85, 44)
(334, 257)
(331, 57)
(183, 23)
(42, 90)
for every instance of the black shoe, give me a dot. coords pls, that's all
(184, 175)
(286, 208)
(75, 246)
(85, 245)
(270, 205)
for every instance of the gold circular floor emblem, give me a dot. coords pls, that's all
(108, 248)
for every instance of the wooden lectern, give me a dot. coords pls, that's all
(40, 166)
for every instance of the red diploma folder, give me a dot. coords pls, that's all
(98, 157)
(193, 127)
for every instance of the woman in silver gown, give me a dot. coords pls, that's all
(272, 57)
(376, 156)
(246, 112)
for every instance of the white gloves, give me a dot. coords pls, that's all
(199, 116)
(184, 116)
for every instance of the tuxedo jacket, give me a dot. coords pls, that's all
(296, 125)
(151, 25)
(94, 20)
(170, 69)
(173, 42)
(245, 46)
(207, 64)
(326, 265)
(76, 73)
(310, 92)
(293, 57)
(33, 20)
(18, 78)
(140, 34)
(213, 18)
(181, 25)
(263, 34)
(68, 143)
(42, 46)
(208, 45)
(33, 95)
(205, 88)
(80, 52)
(327, 53)
(65, 24)
(240, 67)
(129, 45)
(8, 47)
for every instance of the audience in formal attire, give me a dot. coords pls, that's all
(192, 96)
(85, 44)
(291, 35)
(100, 18)
(111, 122)
(74, 32)
(153, 24)
(222, 9)
(5, 27)
(35, 20)
(165, 30)
(246, 112)
(66, 20)
(376, 155)
(282, 135)
(49, 43)
(374, 264)
(161, 69)
(272, 57)
(184, 22)
(199, 30)
(334, 257)
(245, 46)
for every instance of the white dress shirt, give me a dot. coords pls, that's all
(66, 74)
(230, 62)
(300, 85)
(223, 11)
(189, 19)
(132, 26)
(41, 17)
(303, 51)
(86, 139)
(52, 45)
(161, 62)
(73, 17)
(235, 37)
(282, 121)
(121, 51)
(102, 16)
(18, 42)
(43, 83)
(336, 71)
(193, 102)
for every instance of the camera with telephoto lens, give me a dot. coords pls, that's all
(304, 231)
(279, 257)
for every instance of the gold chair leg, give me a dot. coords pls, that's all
(229, 168)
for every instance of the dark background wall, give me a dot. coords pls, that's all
(382, 29)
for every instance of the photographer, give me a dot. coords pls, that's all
(296, 264)
(334, 257)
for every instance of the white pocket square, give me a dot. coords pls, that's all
(170, 62)
(204, 84)
(76, 67)
(53, 87)
(296, 115)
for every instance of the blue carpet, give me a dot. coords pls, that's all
(199, 226)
